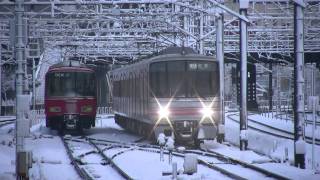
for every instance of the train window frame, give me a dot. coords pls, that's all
(190, 87)
(56, 86)
(160, 85)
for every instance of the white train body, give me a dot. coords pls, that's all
(173, 94)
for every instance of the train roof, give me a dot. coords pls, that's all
(71, 65)
(171, 53)
(177, 50)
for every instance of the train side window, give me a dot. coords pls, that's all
(159, 79)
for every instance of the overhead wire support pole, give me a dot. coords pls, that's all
(233, 13)
(243, 76)
(299, 147)
(33, 84)
(0, 79)
(201, 29)
(270, 87)
(22, 101)
(19, 50)
(220, 58)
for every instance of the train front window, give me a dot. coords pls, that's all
(184, 79)
(70, 84)
(203, 79)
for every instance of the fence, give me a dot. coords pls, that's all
(104, 110)
(36, 117)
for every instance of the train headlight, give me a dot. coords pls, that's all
(55, 109)
(207, 116)
(86, 109)
(206, 112)
(163, 112)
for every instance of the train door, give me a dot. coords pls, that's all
(141, 94)
(131, 92)
(120, 99)
(127, 95)
(135, 107)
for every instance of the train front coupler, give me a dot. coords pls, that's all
(71, 121)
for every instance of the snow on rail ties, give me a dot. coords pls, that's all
(7, 121)
(79, 164)
(225, 165)
(247, 165)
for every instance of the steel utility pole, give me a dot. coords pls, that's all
(33, 84)
(270, 87)
(220, 58)
(0, 80)
(22, 101)
(201, 29)
(19, 50)
(243, 76)
(299, 148)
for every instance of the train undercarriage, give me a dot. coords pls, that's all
(184, 132)
(70, 122)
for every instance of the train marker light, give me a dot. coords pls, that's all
(55, 109)
(86, 109)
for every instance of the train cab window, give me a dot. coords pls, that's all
(184, 79)
(70, 84)
(203, 78)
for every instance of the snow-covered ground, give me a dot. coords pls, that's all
(269, 145)
(50, 160)
(7, 152)
(285, 124)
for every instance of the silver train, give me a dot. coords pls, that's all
(175, 93)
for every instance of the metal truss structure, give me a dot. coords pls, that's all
(123, 30)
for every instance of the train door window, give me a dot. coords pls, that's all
(127, 87)
(159, 79)
(135, 94)
(145, 93)
(131, 93)
(142, 93)
(207, 72)
(201, 78)
(176, 77)
(85, 84)
(192, 78)
(122, 89)
(115, 88)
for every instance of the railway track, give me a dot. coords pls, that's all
(291, 116)
(78, 163)
(6, 122)
(264, 128)
(214, 161)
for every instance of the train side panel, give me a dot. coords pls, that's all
(137, 108)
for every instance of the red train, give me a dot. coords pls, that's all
(70, 96)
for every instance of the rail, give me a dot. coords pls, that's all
(285, 134)
(76, 161)
(220, 157)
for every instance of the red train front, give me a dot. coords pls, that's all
(70, 96)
